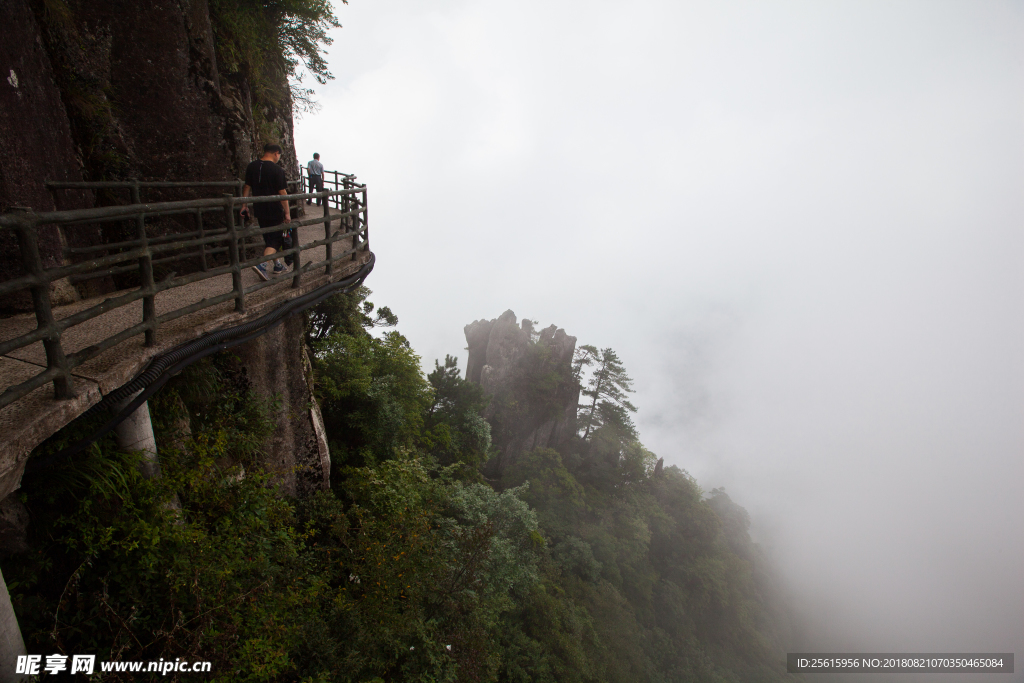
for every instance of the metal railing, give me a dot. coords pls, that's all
(211, 250)
(135, 187)
(332, 180)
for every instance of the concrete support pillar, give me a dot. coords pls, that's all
(136, 434)
(11, 643)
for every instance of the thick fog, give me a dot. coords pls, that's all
(798, 223)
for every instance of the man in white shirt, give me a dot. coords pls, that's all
(316, 177)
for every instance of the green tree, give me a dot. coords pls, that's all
(372, 394)
(607, 389)
(455, 432)
(252, 34)
(424, 566)
(349, 313)
(267, 47)
(413, 567)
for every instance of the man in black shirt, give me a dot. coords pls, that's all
(264, 178)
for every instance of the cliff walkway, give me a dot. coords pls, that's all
(175, 284)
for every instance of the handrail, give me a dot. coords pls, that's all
(224, 245)
(341, 181)
(98, 184)
(136, 186)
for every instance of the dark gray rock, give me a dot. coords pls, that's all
(478, 334)
(276, 367)
(117, 91)
(504, 359)
(505, 348)
(14, 520)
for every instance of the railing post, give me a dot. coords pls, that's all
(327, 235)
(345, 202)
(243, 246)
(366, 224)
(296, 259)
(236, 270)
(202, 235)
(145, 271)
(32, 262)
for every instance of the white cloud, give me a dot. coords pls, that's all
(797, 222)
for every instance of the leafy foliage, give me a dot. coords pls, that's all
(404, 576)
(455, 432)
(265, 41)
(606, 388)
(373, 396)
(375, 400)
(583, 565)
(668, 594)
(252, 33)
(350, 314)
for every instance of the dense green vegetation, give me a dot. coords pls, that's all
(254, 35)
(592, 563)
(262, 43)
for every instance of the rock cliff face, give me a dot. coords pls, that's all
(529, 378)
(37, 134)
(119, 90)
(126, 90)
(139, 88)
(33, 122)
(278, 370)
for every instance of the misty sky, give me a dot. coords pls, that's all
(798, 223)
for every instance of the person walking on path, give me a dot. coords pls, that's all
(316, 177)
(264, 178)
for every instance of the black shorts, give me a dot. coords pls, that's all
(274, 239)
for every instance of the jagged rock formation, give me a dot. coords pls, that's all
(35, 128)
(529, 377)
